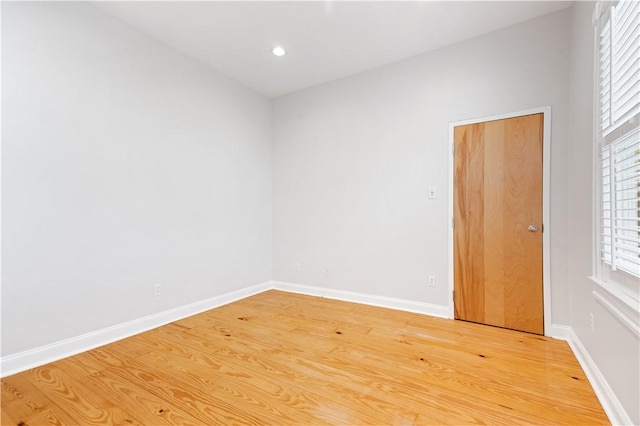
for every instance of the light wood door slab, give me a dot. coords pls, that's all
(497, 196)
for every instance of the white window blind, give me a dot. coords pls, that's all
(619, 100)
(626, 60)
(620, 215)
(620, 65)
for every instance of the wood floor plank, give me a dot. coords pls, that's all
(147, 407)
(282, 371)
(381, 366)
(270, 401)
(180, 393)
(23, 402)
(281, 358)
(77, 400)
(204, 333)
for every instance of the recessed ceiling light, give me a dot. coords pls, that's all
(278, 51)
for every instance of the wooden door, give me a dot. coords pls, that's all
(498, 223)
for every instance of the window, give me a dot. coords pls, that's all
(619, 144)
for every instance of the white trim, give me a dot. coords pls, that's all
(450, 254)
(596, 267)
(21, 361)
(367, 299)
(1, 165)
(610, 403)
(622, 306)
(560, 332)
(546, 208)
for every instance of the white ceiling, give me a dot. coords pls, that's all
(324, 40)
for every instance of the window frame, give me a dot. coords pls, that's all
(625, 285)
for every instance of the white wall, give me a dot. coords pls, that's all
(354, 158)
(615, 349)
(124, 164)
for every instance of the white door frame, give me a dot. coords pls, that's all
(546, 174)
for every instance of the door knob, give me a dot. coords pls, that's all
(532, 228)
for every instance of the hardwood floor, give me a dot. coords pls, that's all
(280, 358)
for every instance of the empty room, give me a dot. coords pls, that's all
(320, 213)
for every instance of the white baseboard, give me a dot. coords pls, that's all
(367, 299)
(610, 403)
(31, 358)
(560, 332)
(22, 361)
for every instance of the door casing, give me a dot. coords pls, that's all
(546, 173)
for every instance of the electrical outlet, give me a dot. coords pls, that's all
(297, 267)
(593, 322)
(432, 192)
(157, 289)
(326, 271)
(432, 281)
